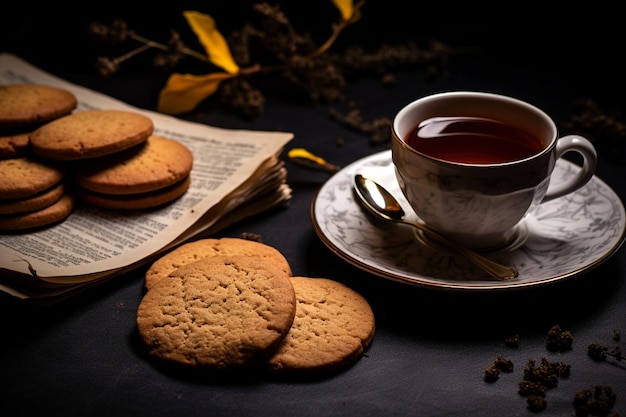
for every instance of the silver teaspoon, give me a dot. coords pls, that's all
(378, 201)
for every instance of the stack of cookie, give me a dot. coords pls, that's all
(118, 163)
(110, 158)
(32, 190)
(227, 303)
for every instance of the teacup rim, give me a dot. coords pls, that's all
(396, 136)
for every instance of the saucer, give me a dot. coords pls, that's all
(563, 238)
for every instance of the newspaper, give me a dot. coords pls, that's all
(236, 174)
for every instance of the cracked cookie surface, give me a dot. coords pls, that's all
(220, 312)
(204, 248)
(332, 328)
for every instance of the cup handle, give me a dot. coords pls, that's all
(587, 151)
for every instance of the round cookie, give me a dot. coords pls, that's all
(52, 214)
(217, 313)
(90, 134)
(36, 202)
(24, 105)
(205, 248)
(14, 145)
(135, 201)
(155, 164)
(332, 328)
(25, 177)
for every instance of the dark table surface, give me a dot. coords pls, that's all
(431, 347)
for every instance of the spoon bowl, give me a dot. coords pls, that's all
(382, 204)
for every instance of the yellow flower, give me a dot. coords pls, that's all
(346, 7)
(214, 43)
(183, 92)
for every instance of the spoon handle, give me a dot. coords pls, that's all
(494, 269)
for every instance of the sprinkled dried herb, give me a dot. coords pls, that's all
(539, 378)
(492, 373)
(252, 236)
(559, 340)
(500, 364)
(596, 401)
(536, 403)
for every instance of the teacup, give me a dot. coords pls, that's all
(474, 165)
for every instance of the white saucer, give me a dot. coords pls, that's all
(565, 237)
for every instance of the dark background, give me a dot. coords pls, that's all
(581, 44)
(430, 349)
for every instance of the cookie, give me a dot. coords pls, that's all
(36, 202)
(14, 145)
(333, 326)
(218, 313)
(50, 215)
(23, 105)
(140, 201)
(90, 134)
(155, 164)
(205, 248)
(25, 177)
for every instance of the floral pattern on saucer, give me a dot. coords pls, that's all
(565, 237)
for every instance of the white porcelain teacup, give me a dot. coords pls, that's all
(461, 189)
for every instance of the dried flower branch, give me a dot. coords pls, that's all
(118, 33)
(274, 46)
(599, 352)
(377, 130)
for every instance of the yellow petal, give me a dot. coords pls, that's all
(306, 158)
(346, 8)
(214, 43)
(183, 92)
